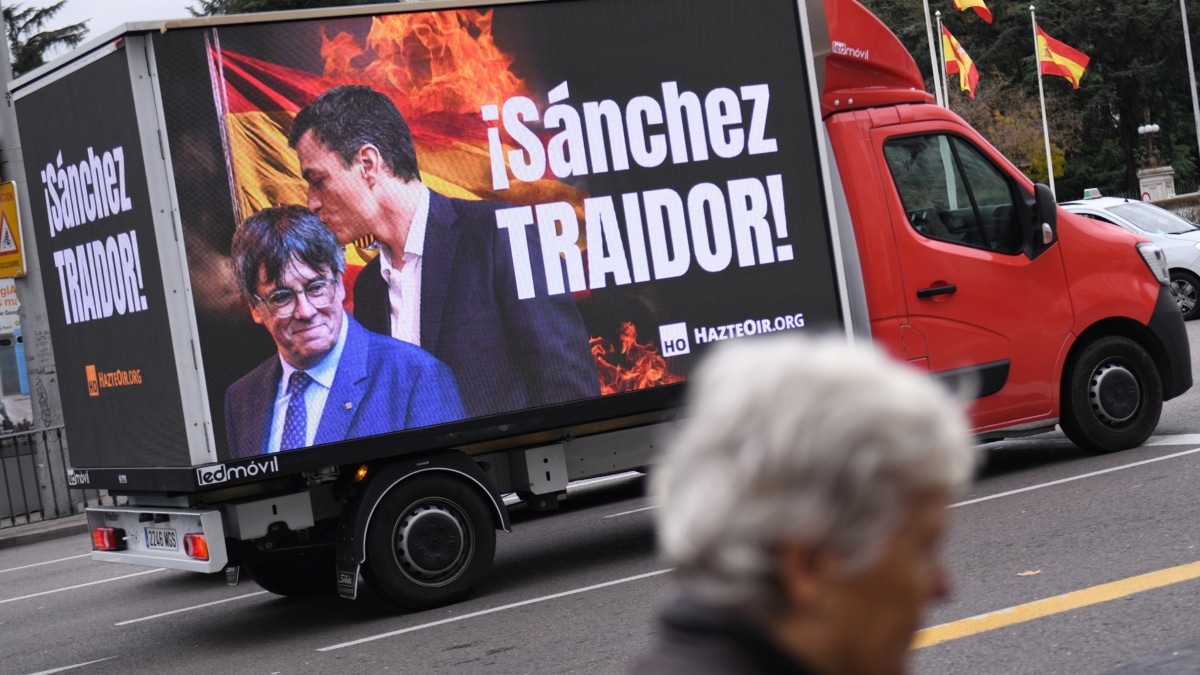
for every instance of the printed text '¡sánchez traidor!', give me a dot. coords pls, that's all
(101, 278)
(654, 226)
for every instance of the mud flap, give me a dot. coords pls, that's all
(347, 580)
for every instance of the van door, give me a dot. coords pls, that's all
(988, 313)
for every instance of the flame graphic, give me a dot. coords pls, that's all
(636, 366)
(444, 62)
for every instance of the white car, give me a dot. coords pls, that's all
(1178, 238)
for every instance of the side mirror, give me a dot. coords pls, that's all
(1040, 230)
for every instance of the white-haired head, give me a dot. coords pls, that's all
(800, 440)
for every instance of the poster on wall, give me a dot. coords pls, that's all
(402, 220)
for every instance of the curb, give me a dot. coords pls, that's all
(32, 537)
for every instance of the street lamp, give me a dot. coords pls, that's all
(1148, 130)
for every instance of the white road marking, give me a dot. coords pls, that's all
(90, 583)
(66, 668)
(48, 562)
(626, 513)
(1183, 439)
(1075, 478)
(493, 610)
(1178, 439)
(188, 609)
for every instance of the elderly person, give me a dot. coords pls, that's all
(804, 505)
(331, 379)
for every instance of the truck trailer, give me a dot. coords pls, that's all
(543, 213)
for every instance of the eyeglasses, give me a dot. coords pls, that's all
(283, 301)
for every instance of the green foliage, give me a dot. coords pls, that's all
(219, 7)
(1138, 68)
(28, 43)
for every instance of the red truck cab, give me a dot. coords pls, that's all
(972, 272)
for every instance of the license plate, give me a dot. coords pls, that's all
(166, 540)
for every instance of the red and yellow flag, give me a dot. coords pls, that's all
(977, 5)
(1056, 58)
(957, 61)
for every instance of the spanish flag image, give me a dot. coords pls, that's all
(957, 61)
(977, 5)
(1057, 58)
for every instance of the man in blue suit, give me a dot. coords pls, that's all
(332, 379)
(444, 277)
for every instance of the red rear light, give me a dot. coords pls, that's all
(195, 546)
(108, 539)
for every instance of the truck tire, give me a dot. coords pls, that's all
(1112, 395)
(430, 543)
(296, 575)
(1185, 288)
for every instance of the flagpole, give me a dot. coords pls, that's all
(1037, 57)
(1187, 43)
(942, 54)
(937, 80)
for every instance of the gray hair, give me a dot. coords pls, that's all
(792, 439)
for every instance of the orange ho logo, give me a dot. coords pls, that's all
(98, 379)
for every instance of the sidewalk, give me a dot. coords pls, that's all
(43, 530)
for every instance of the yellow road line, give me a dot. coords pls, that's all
(1059, 603)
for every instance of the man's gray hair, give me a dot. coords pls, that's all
(794, 439)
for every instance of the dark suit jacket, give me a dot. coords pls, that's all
(506, 354)
(381, 385)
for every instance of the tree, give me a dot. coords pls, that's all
(27, 41)
(1138, 67)
(219, 7)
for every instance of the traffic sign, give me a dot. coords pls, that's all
(12, 255)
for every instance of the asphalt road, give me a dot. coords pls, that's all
(1077, 564)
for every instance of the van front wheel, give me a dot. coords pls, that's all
(1112, 395)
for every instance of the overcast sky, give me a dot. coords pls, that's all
(107, 14)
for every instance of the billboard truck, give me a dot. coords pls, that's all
(324, 286)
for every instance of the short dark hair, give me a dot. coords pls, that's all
(346, 118)
(270, 239)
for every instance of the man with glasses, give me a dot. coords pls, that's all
(332, 379)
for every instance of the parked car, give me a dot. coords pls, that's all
(1178, 238)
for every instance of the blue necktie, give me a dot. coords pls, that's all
(295, 422)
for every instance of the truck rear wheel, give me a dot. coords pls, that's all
(296, 575)
(430, 543)
(1112, 395)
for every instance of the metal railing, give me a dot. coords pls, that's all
(33, 479)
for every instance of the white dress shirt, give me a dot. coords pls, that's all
(404, 284)
(314, 396)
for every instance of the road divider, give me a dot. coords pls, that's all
(1081, 476)
(90, 583)
(1058, 604)
(493, 610)
(188, 609)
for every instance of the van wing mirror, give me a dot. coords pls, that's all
(1040, 221)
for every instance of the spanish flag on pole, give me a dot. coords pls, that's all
(977, 5)
(1057, 58)
(957, 61)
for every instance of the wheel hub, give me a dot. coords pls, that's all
(430, 542)
(1185, 295)
(1114, 394)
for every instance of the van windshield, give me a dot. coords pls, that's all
(1153, 219)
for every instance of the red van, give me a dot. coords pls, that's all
(971, 270)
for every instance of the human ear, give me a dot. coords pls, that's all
(371, 161)
(805, 575)
(256, 313)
